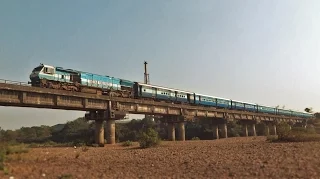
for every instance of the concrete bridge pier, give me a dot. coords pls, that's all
(273, 129)
(254, 133)
(171, 132)
(268, 130)
(246, 130)
(111, 127)
(99, 132)
(224, 130)
(215, 130)
(109, 117)
(181, 131)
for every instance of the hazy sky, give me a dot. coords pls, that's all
(257, 51)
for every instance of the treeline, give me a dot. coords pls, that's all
(82, 131)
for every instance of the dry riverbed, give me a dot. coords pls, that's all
(242, 157)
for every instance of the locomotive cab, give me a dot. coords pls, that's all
(38, 72)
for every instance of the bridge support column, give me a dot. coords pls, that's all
(215, 130)
(181, 130)
(254, 130)
(224, 130)
(171, 132)
(274, 130)
(99, 132)
(246, 130)
(111, 139)
(268, 130)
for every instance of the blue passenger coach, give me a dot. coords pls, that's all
(162, 93)
(223, 103)
(205, 100)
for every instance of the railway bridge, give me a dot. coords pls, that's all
(104, 108)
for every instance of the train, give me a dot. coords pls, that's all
(48, 76)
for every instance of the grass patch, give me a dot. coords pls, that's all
(127, 143)
(17, 149)
(7, 149)
(195, 138)
(65, 176)
(50, 144)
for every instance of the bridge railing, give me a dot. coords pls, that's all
(14, 82)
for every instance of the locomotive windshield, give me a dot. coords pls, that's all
(37, 69)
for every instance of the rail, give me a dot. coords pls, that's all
(14, 82)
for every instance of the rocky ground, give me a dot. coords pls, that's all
(225, 158)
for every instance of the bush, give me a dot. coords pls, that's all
(283, 130)
(296, 134)
(302, 137)
(149, 138)
(127, 143)
(272, 138)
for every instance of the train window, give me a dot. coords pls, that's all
(62, 76)
(48, 70)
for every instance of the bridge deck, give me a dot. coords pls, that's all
(26, 96)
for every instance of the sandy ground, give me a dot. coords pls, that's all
(225, 158)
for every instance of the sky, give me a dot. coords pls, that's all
(259, 51)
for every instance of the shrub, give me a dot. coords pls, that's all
(149, 138)
(195, 138)
(127, 143)
(296, 134)
(283, 130)
(272, 138)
